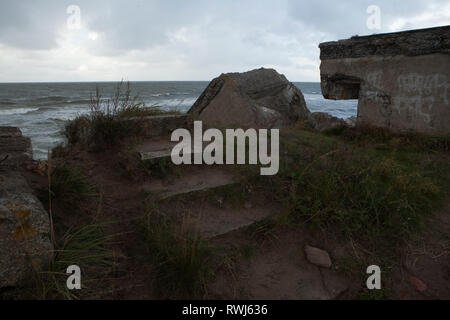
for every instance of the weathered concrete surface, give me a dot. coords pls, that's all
(160, 149)
(195, 179)
(260, 98)
(402, 80)
(24, 224)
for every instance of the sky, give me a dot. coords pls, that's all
(145, 40)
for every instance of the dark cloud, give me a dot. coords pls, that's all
(193, 39)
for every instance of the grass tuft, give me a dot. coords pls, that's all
(181, 268)
(69, 187)
(86, 247)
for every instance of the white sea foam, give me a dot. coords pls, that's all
(17, 111)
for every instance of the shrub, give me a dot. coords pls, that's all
(105, 125)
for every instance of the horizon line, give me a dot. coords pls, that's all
(118, 81)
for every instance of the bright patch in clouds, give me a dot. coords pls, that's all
(93, 36)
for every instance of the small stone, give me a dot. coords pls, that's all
(318, 257)
(418, 284)
(248, 205)
(351, 122)
(220, 201)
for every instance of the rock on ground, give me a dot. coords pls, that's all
(318, 257)
(261, 98)
(24, 224)
(322, 121)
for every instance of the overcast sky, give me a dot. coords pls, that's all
(187, 39)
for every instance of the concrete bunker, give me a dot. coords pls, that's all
(401, 80)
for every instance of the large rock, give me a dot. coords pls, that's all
(14, 146)
(24, 224)
(260, 98)
(402, 80)
(322, 121)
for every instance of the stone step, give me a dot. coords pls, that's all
(160, 149)
(210, 222)
(154, 149)
(207, 220)
(193, 178)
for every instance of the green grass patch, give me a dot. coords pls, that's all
(373, 187)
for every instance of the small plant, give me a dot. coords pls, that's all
(181, 267)
(69, 187)
(158, 169)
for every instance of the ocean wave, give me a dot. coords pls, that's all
(7, 102)
(17, 111)
(82, 101)
(167, 94)
(64, 117)
(50, 98)
(176, 102)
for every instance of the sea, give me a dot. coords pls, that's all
(41, 110)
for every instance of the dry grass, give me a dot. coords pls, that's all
(105, 125)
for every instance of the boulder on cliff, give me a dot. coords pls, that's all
(24, 224)
(261, 98)
(14, 148)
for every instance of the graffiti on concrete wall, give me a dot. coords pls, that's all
(417, 96)
(414, 99)
(435, 85)
(372, 93)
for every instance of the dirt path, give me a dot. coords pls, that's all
(426, 263)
